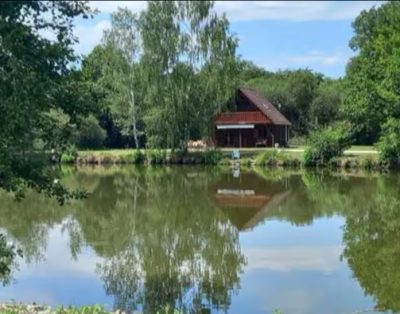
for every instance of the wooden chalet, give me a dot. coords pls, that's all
(255, 122)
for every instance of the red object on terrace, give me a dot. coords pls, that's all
(242, 117)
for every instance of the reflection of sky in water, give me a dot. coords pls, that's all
(60, 279)
(296, 269)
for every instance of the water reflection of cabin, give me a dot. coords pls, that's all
(248, 199)
(255, 122)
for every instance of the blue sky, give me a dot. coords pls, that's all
(273, 34)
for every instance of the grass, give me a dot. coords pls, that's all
(365, 157)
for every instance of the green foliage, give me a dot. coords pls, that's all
(326, 144)
(156, 156)
(248, 71)
(276, 158)
(389, 143)
(189, 56)
(292, 92)
(41, 96)
(138, 157)
(69, 155)
(267, 158)
(372, 82)
(324, 107)
(212, 156)
(90, 134)
(297, 141)
(8, 254)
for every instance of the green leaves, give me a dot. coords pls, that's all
(327, 143)
(8, 254)
(189, 58)
(372, 93)
(389, 143)
(36, 80)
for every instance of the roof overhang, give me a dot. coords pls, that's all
(234, 126)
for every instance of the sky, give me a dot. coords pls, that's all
(276, 35)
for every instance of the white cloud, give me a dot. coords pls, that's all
(293, 10)
(325, 259)
(319, 58)
(257, 10)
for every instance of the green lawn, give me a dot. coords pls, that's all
(296, 151)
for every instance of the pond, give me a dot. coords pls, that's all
(211, 240)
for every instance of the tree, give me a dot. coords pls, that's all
(90, 134)
(372, 82)
(103, 69)
(124, 37)
(389, 143)
(324, 108)
(248, 70)
(35, 78)
(293, 93)
(189, 56)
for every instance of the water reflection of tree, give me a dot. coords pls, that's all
(372, 244)
(371, 209)
(165, 242)
(181, 252)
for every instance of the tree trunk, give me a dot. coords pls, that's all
(134, 129)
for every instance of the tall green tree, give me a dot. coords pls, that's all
(372, 82)
(36, 78)
(107, 72)
(124, 37)
(188, 56)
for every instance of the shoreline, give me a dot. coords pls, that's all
(281, 158)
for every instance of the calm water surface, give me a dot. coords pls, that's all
(206, 240)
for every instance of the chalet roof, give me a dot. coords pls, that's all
(255, 117)
(265, 106)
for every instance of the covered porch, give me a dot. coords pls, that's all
(250, 135)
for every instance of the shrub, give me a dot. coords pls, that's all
(90, 134)
(326, 144)
(212, 156)
(389, 143)
(156, 156)
(137, 157)
(224, 162)
(67, 159)
(267, 158)
(69, 155)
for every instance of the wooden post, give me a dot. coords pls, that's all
(240, 138)
(286, 135)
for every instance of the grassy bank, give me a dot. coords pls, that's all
(357, 157)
